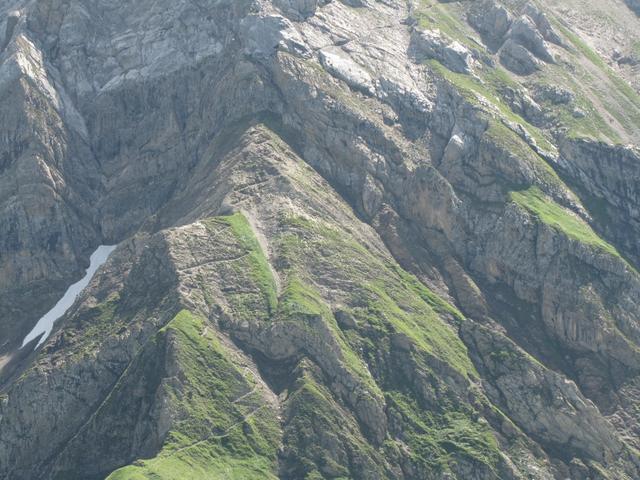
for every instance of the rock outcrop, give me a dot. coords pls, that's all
(351, 243)
(491, 19)
(518, 59)
(431, 44)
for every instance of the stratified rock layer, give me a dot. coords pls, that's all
(351, 243)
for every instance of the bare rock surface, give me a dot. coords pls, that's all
(357, 239)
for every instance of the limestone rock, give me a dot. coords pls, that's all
(490, 19)
(336, 258)
(341, 65)
(452, 54)
(518, 59)
(525, 32)
(576, 425)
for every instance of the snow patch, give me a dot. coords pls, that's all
(45, 324)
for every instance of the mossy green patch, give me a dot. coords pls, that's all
(298, 300)
(321, 440)
(101, 316)
(436, 302)
(436, 441)
(398, 305)
(552, 214)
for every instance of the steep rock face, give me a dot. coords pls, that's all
(45, 169)
(274, 171)
(606, 176)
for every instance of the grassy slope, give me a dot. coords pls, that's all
(385, 300)
(214, 436)
(550, 213)
(314, 425)
(385, 295)
(253, 260)
(620, 100)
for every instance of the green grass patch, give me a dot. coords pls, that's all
(316, 430)
(436, 302)
(299, 300)
(437, 440)
(254, 261)
(384, 296)
(399, 306)
(213, 435)
(547, 211)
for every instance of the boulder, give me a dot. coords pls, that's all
(525, 32)
(430, 44)
(340, 64)
(542, 22)
(518, 59)
(264, 34)
(491, 20)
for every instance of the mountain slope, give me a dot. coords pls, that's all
(358, 239)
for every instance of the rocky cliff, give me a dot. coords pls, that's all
(357, 239)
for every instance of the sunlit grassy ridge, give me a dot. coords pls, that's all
(255, 260)
(215, 435)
